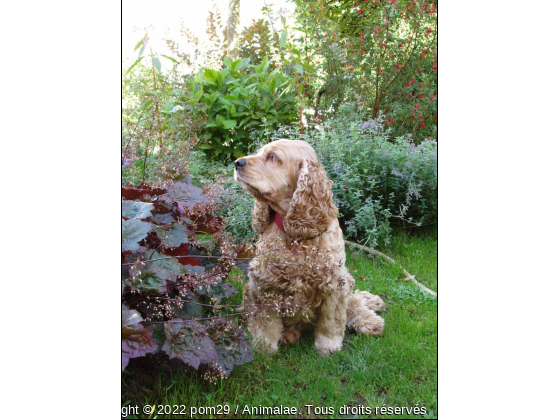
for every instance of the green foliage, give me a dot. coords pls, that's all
(236, 208)
(382, 54)
(159, 126)
(378, 183)
(237, 98)
(258, 41)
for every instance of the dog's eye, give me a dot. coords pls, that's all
(271, 157)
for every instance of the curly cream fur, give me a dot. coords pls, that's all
(304, 264)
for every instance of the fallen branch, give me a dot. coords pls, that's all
(386, 257)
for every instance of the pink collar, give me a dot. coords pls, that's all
(279, 222)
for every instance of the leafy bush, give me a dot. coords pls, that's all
(159, 125)
(378, 183)
(237, 98)
(236, 209)
(173, 284)
(382, 54)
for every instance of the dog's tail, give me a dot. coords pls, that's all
(361, 316)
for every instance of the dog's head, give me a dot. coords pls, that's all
(286, 176)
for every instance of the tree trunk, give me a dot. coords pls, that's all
(232, 33)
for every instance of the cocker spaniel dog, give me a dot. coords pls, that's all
(300, 252)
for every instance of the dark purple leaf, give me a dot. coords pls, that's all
(217, 291)
(132, 193)
(133, 231)
(232, 344)
(170, 264)
(195, 269)
(136, 209)
(163, 218)
(180, 209)
(149, 279)
(136, 339)
(189, 342)
(185, 194)
(173, 236)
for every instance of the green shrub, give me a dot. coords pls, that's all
(382, 54)
(234, 204)
(378, 183)
(236, 209)
(239, 98)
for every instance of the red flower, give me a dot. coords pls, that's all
(345, 187)
(351, 68)
(318, 117)
(392, 122)
(360, 11)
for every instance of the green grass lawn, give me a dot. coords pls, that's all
(396, 369)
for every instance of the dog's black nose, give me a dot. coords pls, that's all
(240, 162)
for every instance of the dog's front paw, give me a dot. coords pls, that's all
(327, 346)
(290, 336)
(261, 344)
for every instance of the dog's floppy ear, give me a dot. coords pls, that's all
(312, 208)
(261, 217)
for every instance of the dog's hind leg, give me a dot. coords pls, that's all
(373, 302)
(361, 316)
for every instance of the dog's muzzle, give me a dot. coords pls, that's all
(239, 163)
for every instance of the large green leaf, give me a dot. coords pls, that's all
(283, 39)
(228, 62)
(210, 76)
(229, 124)
(133, 231)
(157, 64)
(136, 209)
(170, 58)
